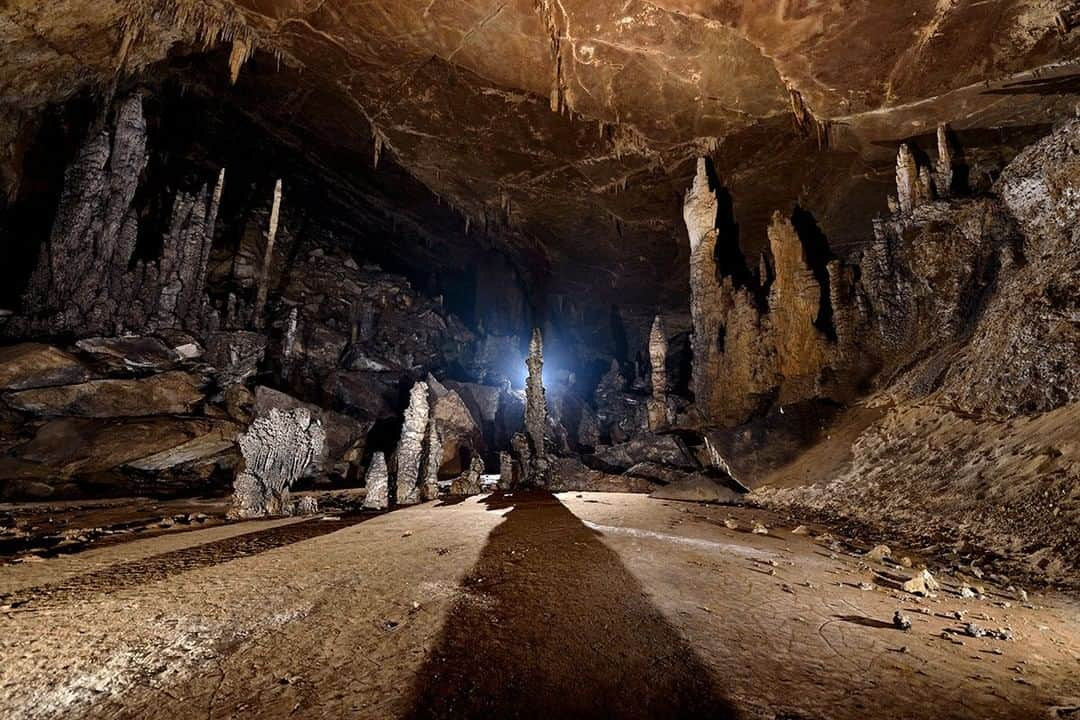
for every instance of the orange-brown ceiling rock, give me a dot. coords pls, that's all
(576, 122)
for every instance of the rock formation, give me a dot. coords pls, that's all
(945, 167)
(699, 214)
(377, 481)
(520, 446)
(469, 482)
(459, 431)
(411, 446)
(801, 349)
(84, 283)
(660, 412)
(277, 449)
(506, 471)
(306, 505)
(433, 455)
(907, 179)
(536, 410)
(263, 289)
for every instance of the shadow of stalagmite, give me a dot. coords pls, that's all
(553, 626)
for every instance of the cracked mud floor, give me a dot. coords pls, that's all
(580, 605)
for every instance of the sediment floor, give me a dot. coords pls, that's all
(522, 605)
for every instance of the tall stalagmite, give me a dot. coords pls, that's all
(659, 407)
(801, 349)
(536, 409)
(410, 449)
(699, 212)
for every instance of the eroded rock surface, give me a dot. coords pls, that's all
(277, 449)
(82, 283)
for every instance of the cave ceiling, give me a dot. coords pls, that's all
(570, 127)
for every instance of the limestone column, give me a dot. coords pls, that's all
(410, 448)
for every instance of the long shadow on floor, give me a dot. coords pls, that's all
(159, 567)
(553, 626)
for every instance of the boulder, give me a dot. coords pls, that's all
(469, 482)
(696, 487)
(305, 506)
(660, 449)
(235, 356)
(569, 474)
(34, 365)
(170, 393)
(459, 430)
(130, 353)
(369, 396)
(70, 446)
(219, 439)
(482, 400)
(239, 403)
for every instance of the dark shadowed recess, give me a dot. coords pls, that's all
(552, 625)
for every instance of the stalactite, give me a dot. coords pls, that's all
(378, 140)
(203, 23)
(241, 52)
(806, 122)
(548, 13)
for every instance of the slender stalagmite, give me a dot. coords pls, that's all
(536, 409)
(411, 446)
(268, 257)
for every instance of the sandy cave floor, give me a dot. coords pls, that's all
(526, 605)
